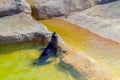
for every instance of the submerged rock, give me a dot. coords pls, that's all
(11, 7)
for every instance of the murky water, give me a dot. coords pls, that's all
(105, 51)
(16, 64)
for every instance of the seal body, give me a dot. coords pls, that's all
(51, 48)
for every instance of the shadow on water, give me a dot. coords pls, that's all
(63, 67)
(43, 61)
(67, 68)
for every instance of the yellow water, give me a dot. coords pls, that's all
(16, 64)
(104, 50)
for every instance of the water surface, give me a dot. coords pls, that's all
(103, 50)
(16, 64)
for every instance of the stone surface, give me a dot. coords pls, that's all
(53, 8)
(103, 20)
(42, 9)
(21, 28)
(11, 7)
(88, 67)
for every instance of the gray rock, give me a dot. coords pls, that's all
(43, 9)
(103, 20)
(53, 8)
(21, 28)
(11, 7)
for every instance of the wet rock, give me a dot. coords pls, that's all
(11, 7)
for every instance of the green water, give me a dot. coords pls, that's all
(16, 64)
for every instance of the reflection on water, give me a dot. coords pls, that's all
(16, 64)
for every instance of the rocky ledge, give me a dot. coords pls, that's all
(17, 25)
(42, 9)
(103, 20)
(20, 28)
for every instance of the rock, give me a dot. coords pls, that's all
(17, 26)
(88, 68)
(11, 7)
(21, 28)
(43, 9)
(103, 20)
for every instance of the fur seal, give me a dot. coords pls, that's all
(51, 48)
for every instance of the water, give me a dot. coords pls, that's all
(16, 59)
(103, 50)
(16, 64)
